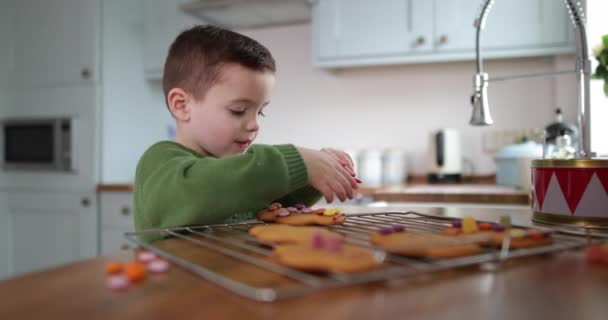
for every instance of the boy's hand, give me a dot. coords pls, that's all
(327, 175)
(343, 158)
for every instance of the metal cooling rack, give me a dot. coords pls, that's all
(273, 281)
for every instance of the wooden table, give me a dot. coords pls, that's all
(559, 286)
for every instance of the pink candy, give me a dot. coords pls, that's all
(331, 243)
(283, 213)
(317, 241)
(146, 256)
(334, 244)
(292, 209)
(157, 266)
(117, 282)
(306, 210)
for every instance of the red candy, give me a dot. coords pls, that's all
(596, 254)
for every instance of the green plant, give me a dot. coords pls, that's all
(601, 54)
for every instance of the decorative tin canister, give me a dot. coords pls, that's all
(570, 191)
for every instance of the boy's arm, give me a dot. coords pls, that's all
(307, 196)
(174, 187)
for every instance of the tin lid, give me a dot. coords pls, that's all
(570, 163)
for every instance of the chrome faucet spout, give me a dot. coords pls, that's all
(479, 99)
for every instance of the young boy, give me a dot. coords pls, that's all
(216, 84)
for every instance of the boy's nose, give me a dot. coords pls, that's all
(253, 124)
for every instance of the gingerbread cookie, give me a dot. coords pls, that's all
(325, 253)
(300, 215)
(520, 238)
(396, 240)
(283, 234)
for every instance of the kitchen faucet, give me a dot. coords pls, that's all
(479, 100)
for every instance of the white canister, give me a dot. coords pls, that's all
(394, 166)
(370, 167)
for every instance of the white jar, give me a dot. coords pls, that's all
(370, 167)
(394, 166)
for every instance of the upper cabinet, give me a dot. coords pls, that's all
(163, 21)
(362, 28)
(359, 32)
(49, 51)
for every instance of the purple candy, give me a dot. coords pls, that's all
(317, 241)
(457, 224)
(398, 228)
(306, 210)
(283, 213)
(498, 227)
(292, 209)
(299, 206)
(333, 244)
(385, 230)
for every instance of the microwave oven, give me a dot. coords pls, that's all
(43, 144)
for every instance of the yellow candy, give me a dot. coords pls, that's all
(469, 225)
(331, 212)
(518, 233)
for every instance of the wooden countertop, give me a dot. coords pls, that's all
(417, 190)
(558, 286)
(462, 193)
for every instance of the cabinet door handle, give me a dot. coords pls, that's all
(420, 40)
(443, 39)
(125, 211)
(85, 73)
(85, 202)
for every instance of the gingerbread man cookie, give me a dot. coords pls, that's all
(282, 234)
(396, 240)
(520, 238)
(326, 253)
(300, 215)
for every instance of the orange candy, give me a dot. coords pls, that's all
(135, 271)
(113, 267)
(596, 254)
(484, 226)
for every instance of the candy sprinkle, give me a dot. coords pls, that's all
(146, 256)
(117, 282)
(113, 267)
(158, 266)
(135, 271)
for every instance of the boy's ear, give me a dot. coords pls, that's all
(177, 100)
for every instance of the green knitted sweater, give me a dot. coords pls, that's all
(176, 186)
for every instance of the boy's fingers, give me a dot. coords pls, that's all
(338, 189)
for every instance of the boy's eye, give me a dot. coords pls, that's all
(261, 114)
(237, 112)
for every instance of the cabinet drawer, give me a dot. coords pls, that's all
(113, 240)
(117, 209)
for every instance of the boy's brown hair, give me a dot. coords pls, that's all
(197, 55)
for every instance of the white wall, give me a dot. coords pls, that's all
(393, 106)
(6, 27)
(133, 113)
(6, 31)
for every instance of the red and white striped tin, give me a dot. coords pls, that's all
(570, 191)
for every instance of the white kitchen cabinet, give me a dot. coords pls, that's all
(359, 33)
(511, 25)
(56, 43)
(163, 21)
(116, 218)
(48, 229)
(361, 28)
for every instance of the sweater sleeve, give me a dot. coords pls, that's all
(175, 187)
(307, 196)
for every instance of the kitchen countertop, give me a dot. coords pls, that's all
(481, 191)
(558, 286)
